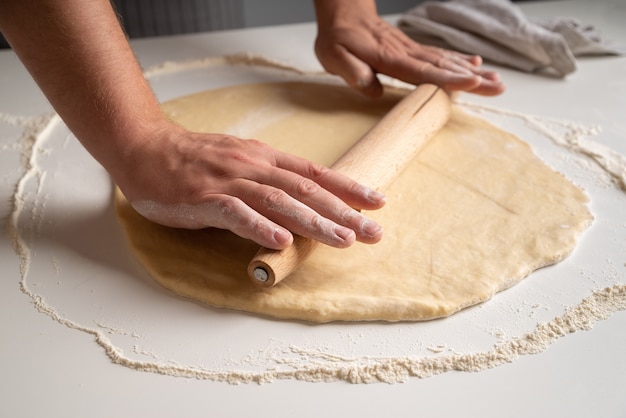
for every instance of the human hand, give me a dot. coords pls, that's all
(172, 176)
(192, 180)
(356, 44)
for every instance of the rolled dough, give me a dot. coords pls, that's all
(473, 214)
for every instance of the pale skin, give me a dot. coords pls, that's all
(80, 58)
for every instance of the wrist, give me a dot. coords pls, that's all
(129, 148)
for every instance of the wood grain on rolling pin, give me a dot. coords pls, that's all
(375, 160)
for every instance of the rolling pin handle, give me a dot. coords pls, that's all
(269, 267)
(261, 273)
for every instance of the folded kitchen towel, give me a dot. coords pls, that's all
(500, 32)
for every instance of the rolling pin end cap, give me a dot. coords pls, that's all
(260, 275)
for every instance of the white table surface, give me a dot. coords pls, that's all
(50, 370)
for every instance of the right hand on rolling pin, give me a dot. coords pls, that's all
(192, 180)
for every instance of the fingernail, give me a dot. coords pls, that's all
(375, 196)
(371, 228)
(345, 234)
(282, 236)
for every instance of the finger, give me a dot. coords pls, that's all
(463, 71)
(489, 81)
(356, 73)
(404, 48)
(490, 84)
(487, 74)
(351, 192)
(324, 203)
(472, 60)
(278, 206)
(489, 88)
(447, 74)
(218, 211)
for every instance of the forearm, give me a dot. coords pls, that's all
(80, 58)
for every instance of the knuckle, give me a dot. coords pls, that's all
(242, 150)
(256, 144)
(257, 226)
(240, 156)
(228, 207)
(441, 62)
(316, 171)
(274, 199)
(348, 214)
(318, 224)
(306, 187)
(355, 189)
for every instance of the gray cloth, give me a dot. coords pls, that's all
(500, 32)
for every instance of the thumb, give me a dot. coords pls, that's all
(356, 73)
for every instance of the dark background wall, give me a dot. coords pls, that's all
(165, 17)
(143, 18)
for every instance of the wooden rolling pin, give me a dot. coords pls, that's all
(374, 161)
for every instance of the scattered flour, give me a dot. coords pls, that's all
(321, 365)
(169, 67)
(574, 139)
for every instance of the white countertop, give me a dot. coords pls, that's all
(51, 370)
